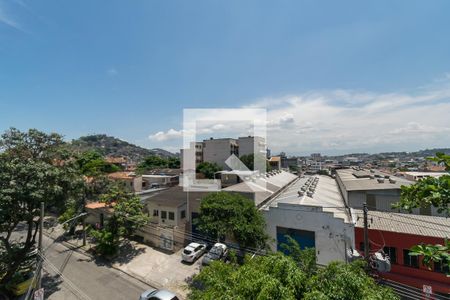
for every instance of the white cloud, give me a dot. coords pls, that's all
(342, 121)
(169, 135)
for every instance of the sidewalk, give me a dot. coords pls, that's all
(153, 266)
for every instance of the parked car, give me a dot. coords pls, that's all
(217, 252)
(158, 295)
(193, 251)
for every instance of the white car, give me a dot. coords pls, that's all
(193, 251)
(158, 295)
(218, 252)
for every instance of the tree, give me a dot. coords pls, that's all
(93, 164)
(277, 276)
(154, 162)
(128, 216)
(428, 192)
(208, 169)
(345, 281)
(305, 258)
(249, 161)
(173, 163)
(228, 215)
(34, 168)
(265, 277)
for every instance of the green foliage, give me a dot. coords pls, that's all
(428, 192)
(278, 276)
(271, 277)
(433, 253)
(128, 216)
(107, 243)
(208, 169)
(114, 193)
(92, 163)
(158, 162)
(305, 259)
(249, 161)
(34, 168)
(442, 159)
(229, 215)
(345, 281)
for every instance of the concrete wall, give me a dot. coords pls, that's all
(332, 235)
(250, 145)
(178, 221)
(167, 238)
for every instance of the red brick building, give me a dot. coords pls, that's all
(396, 233)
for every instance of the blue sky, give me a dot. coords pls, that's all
(129, 68)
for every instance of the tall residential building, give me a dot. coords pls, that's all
(218, 150)
(252, 145)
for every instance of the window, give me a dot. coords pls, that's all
(155, 212)
(171, 215)
(410, 260)
(163, 214)
(438, 267)
(144, 184)
(183, 214)
(392, 252)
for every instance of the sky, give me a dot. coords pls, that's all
(335, 76)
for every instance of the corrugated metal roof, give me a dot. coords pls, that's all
(355, 180)
(406, 223)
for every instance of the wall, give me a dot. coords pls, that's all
(416, 277)
(151, 206)
(329, 231)
(218, 151)
(171, 239)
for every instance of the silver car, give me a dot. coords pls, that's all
(193, 251)
(158, 295)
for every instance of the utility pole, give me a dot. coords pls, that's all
(366, 232)
(84, 231)
(41, 228)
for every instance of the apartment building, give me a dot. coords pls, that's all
(252, 145)
(219, 150)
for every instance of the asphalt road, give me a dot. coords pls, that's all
(84, 278)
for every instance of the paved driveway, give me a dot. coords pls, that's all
(158, 268)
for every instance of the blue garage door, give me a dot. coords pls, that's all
(306, 239)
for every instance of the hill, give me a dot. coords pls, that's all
(111, 146)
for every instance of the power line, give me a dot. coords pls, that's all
(65, 279)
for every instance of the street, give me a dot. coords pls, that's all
(84, 278)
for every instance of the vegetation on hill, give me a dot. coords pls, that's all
(158, 162)
(111, 146)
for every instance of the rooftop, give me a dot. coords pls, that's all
(122, 175)
(326, 196)
(406, 223)
(172, 197)
(263, 186)
(360, 180)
